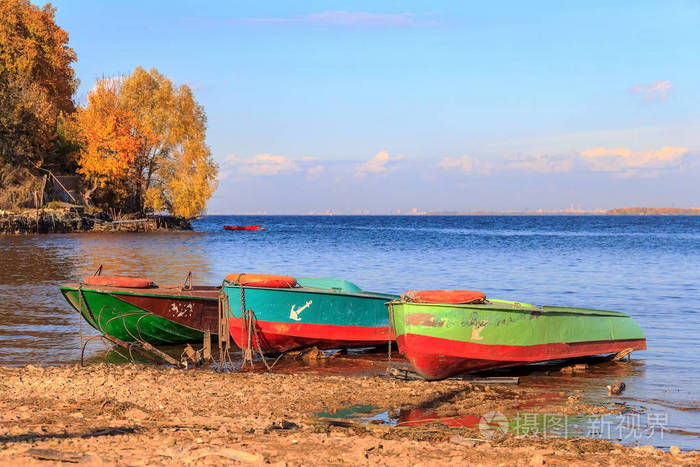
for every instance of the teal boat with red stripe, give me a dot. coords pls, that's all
(291, 313)
(442, 339)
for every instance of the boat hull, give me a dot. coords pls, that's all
(445, 340)
(241, 227)
(301, 317)
(157, 316)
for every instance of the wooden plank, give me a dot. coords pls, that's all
(206, 347)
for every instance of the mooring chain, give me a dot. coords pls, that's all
(246, 357)
(224, 334)
(257, 340)
(249, 332)
(246, 352)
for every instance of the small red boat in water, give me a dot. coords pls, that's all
(241, 227)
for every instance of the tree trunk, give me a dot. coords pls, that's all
(88, 193)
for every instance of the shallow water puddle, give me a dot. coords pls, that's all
(362, 414)
(540, 415)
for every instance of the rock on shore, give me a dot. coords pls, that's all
(76, 220)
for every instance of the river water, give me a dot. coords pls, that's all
(648, 267)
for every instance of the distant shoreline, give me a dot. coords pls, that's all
(609, 212)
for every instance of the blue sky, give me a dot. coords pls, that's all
(379, 106)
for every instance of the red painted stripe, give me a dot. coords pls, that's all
(437, 358)
(285, 336)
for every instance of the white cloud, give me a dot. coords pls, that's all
(629, 162)
(466, 163)
(377, 164)
(541, 163)
(620, 161)
(657, 89)
(263, 164)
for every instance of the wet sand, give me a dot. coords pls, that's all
(133, 414)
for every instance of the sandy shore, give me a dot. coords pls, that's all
(138, 414)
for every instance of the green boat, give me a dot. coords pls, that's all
(157, 315)
(446, 339)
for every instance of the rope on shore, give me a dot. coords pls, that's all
(252, 333)
(249, 331)
(139, 344)
(246, 354)
(223, 330)
(146, 349)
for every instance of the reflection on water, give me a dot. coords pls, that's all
(165, 258)
(37, 324)
(648, 267)
(545, 412)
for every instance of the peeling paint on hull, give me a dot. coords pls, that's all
(502, 334)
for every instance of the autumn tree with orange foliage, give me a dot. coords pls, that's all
(36, 86)
(143, 143)
(111, 140)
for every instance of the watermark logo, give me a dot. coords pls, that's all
(493, 426)
(625, 426)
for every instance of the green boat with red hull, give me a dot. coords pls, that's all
(134, 309)
(443, 337)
